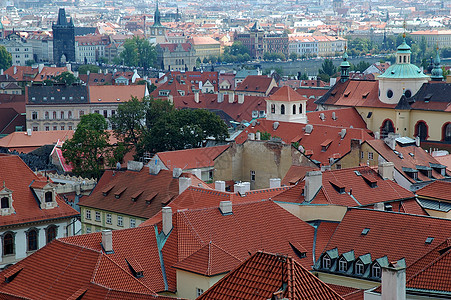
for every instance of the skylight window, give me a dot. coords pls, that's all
(429, 240)
(365, 231)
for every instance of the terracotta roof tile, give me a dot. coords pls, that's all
(345, 117)
(27, 143)
(263, 274)
(99, 94)
(255, 83)
(286, 93)
(437, 190)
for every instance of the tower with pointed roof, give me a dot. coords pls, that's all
(157, 30)
(63, 39)
(344, 67)
(401, 78)
(437, 72)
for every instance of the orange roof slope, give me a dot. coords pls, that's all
(438, 190)
(68, 270)
(395, 235)
(27, 143)
(345, 117)
(265, 274)
(191, 158)
(115, 93)
(255, 83)
(134, 193)
(286, 93)
(16, 176)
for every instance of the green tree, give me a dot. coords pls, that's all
(361, 66)
(30, 62)
(293, 56)
(66, 77)
(88, 149)
(327, 70)
(5, 58)
(138, 53)
(103, 60)
(83, 69)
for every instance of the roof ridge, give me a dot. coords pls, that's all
(395, 212)
(432, 263)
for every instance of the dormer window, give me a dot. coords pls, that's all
(359, 268)
(376, 270)
(5, 202)
(48, 197)
(326, 262)
(342, 265)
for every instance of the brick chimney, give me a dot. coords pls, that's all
(167, 219)
(184, 183)
(107, 241)
(394, 282)
(313, 183)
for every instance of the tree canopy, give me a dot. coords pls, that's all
(83, 69)
(5, 58)
(66, 77)
(88, 149)
(153, 125)
(138, 53)
(327, 70)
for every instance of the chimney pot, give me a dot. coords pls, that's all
(274, 183)
(220, 185)
(313, 183)
(107, 241)
(257, 135)
(167, 219)
(393, 282)
(225, 207)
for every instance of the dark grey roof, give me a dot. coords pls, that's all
(433, 92)
(57, 94)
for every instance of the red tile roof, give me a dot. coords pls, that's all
(139, 194)
(345, 117)
(209, 260)
(99, 94)
(395, 235)
(16, 176)
(255, 83)
(264, 274)
(437, 190)
(296, 173)
(295, 132)
(348, 293)
(286, 93)
(191, 158)
(27, 143)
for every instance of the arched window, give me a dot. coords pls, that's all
(273, 108)
(386, 128)
(5, 202)
(405, 60)
(48, 197)
(50, 233)
(54, 115)
(376, 270)
(69, 114)
(8, 244)
(421, 130)
(300, 108)
(46, 115)
(32, 243)
(294, 109)
(326, 262)
(282, 109)
(447, 132)
(359, 268)
(342, 265)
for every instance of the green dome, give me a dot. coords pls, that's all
(400, 71)
(404, 48)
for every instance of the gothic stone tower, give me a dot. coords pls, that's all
(63, 39)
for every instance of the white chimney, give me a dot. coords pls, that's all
(342, 133)
(240, 98)
(313, 183)
(1, 72)
(321, 116)
(379, 206)
(377, 135)
(225, 207)
(393, 282)
(176, 172)
(166, 213)
(69, 67)
(251, 136)
(308, 128)
(100, 71)
(88, 72)
(417, 141)
(220, 185)
(107, 241)
(220, 97)
(231, 97)
(134, 165)
(334, 116)
(247, 186)
(154, 169)
(196, 96)
(41, 67)
(258, 135)
(197, 173)
(275, 125)
(15, 70)
(29, 131)
(274, 183)
(200, 85)
(242, 188)
(386, 170)
(184, 183)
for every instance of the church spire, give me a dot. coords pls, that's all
(157, 17)
(437, 72)
(344, 67)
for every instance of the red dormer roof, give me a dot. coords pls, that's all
(18, 177)
(286, 94)
(255, 83)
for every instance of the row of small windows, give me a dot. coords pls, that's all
(109, 218)
(32, 235)
(282, 109)
(359, 267)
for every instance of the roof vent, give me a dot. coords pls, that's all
(308, 128)
(342, 133)
(365, 231)
(322, 116)
(225, 207)
(334, 117)
(275, 125)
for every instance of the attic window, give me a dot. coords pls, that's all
(429, 240)
(325, 145)
(119, 192)
(136, 195)
(365, 95)
(370, 181)
(365, 231)
(339, 188)
(427, 98)
(347, 93)
(333, 93)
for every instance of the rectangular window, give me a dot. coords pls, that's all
(88, 214)
(362, 155)
(47, 128)
(55, 127)
(132, 223)
(252, 175)
(96, 111)
(69, 127)
(105, 113)
(88, 229)
(98, 216)
(370, 155)
(108, 218)
(34, 115)
(62, 127)
(199, 292)
(35, 128)
(120, 221)
(81, 113)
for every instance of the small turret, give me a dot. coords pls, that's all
(437, 72)
(344, 67)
